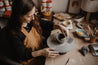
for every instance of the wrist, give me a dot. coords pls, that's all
(37, 53)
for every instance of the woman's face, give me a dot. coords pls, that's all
(28, 17)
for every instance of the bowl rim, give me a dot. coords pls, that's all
(85, 35)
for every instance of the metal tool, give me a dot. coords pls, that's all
(67, 61)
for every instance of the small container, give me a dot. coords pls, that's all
(49, 8)
(44, 0)
(44, 4)
(10, 1)
(2, 6)
(6, 2)
(2, 9)
(92, 38)
(1, 3)
(67, 23)
(8, 8)
(49, 3)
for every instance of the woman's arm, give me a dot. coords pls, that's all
(20, 51)
(47, 52)
(25, 54)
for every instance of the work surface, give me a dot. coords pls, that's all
(74, 56)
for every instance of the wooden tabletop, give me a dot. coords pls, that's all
(74, 56)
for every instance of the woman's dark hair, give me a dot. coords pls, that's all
(21, 8)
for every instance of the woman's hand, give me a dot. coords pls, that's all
(63, 29)
(47, 52)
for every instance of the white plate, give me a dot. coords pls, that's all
(62, 16)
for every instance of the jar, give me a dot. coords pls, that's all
(8, 8)
(1, 4)
(44, 4)
(92, 38)
(6, 2)
(10, 1)
(44, 0)
(2, 9)
(49, 8)
(49, 3)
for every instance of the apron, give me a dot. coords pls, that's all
(33, 41)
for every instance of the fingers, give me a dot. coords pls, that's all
(51, 49)
(64, 32)
(63, 29)
(52, 53)
(49, 52)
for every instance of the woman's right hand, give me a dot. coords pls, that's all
(47, 52)
(63, 29)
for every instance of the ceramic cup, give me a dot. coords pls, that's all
(58, 37)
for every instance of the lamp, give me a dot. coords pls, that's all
(89, 6)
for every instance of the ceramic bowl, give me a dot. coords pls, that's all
(81, 33)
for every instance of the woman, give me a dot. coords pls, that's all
(25, 34)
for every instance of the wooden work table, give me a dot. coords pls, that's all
(74, 56)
